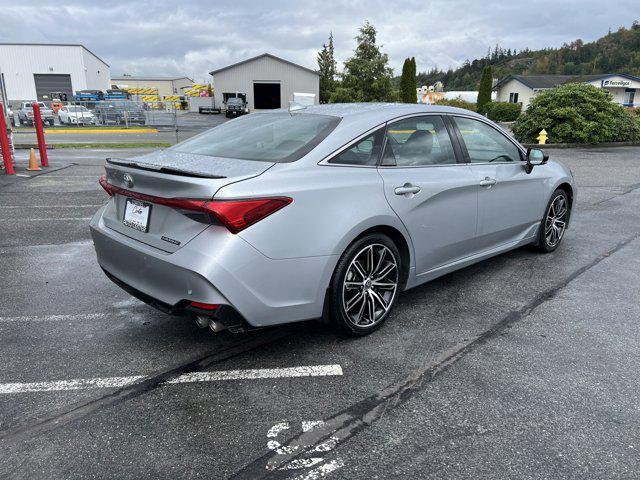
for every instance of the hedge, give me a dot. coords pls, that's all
(503, 111)
(577, 113)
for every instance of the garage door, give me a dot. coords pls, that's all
(266, 95)
(47, 83)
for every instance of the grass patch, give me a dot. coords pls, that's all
(91, 127)
(57, 146)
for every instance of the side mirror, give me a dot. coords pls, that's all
(535, 156)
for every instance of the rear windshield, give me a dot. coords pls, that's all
(270, 137)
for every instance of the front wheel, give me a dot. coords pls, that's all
(365, 285)
(554, 224)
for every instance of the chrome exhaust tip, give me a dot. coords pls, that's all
(216, 326)
(201, 322)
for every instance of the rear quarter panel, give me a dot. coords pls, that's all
(331, 206)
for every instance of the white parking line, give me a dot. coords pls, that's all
(116, 382)
(52, 318)
(29, 207)
(58, 218)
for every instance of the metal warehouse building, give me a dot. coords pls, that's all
(34, 71)
(268, 81)
(164, 85)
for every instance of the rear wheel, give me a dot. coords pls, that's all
(365, 285)
(554, 223)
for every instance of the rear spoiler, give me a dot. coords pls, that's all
(159, 168)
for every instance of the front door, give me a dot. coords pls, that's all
(508, 198)
(433, 194)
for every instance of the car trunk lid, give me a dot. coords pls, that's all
(169, 174)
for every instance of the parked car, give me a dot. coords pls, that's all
(235, 107)
(76, 115)
(25, 114)
(325, 212)
(120, 113)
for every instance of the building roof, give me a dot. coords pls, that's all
(54, 45)
(550, 81)
(261, 56)
(149, 77)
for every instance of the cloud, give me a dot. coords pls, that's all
(192, 38)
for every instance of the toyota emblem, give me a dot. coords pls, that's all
(128, 180)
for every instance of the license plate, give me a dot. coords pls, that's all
(136, 215)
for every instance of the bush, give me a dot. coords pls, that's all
(503, 111)
(457, 102)
(343, 95)
(577, 113)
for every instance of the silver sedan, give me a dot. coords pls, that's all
(327, 212)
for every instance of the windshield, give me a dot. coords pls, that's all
(235, 101)
(271, 137)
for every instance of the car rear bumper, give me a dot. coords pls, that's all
(216, 267)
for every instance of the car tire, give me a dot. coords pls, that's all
(554, 224)
(365, 285)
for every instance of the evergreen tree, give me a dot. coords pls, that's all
(484, 91)
(407, 91)
(367, 73)
(327, 68)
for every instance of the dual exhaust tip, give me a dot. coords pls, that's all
(216, 326)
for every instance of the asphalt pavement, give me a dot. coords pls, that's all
(523, 366)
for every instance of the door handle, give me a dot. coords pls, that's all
(488, 182)
(407, 189)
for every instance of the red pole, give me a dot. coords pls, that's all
(37, 121)
(4, 144)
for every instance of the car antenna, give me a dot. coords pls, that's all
(295, 107)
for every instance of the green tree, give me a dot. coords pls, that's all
(367, 73)
(407, 92)
(484, 91)
(327, 68)
(577, 112)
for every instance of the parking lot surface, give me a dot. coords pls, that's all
(523, 366)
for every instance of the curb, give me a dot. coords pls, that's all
(90, 145)
(582, 145)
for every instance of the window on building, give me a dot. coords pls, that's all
(513, 97)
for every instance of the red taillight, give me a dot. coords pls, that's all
(239, 214)
(236, 215)
(205, 306)
(106, 185)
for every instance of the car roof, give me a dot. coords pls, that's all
(382, 111)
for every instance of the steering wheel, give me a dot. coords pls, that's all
(507, 157)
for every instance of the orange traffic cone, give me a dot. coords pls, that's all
(33, 162)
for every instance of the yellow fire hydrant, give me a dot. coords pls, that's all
(542, 138)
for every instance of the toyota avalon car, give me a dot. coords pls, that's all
(326, 212)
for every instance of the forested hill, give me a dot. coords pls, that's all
(617, 52)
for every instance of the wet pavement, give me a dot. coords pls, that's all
(523, 366)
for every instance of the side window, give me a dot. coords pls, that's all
(418, 141)
(365, 152)
(486, 144)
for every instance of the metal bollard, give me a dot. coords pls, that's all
(4, 144)
(42, 147)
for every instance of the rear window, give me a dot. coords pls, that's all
(269, 137)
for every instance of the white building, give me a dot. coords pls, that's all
(522, 88)
(267, 81)
(34, 71)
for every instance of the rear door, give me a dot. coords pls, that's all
(508, 198)
(433, 193)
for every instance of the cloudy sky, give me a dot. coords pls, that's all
(194, 37)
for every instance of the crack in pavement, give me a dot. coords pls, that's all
(355, 418)
(145, 385)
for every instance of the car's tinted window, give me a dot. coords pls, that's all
(271, 137)
(418, 141)
(486, 144)
(364, 152)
